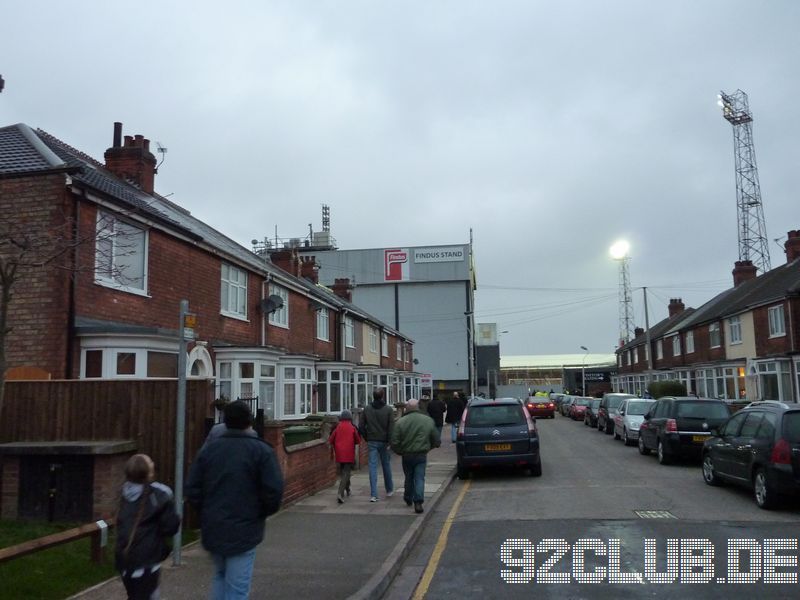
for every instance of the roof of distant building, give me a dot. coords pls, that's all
(556, 361)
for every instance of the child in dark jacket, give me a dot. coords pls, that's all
(343, 439)
(146, 518)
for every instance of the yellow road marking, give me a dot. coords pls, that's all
(441, 543)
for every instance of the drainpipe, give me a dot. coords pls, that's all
(68, 367)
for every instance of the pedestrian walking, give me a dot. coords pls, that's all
(455, 408)
(235, 483)
(436, 410)
(377, 422)
(146, 518)
(413, 437)
(343, 440)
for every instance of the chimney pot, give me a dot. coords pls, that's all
(117, 134)
(132, 161)
(128, 140)
(638, 331)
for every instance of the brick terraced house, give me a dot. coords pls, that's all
(742, 345)
(108, 308)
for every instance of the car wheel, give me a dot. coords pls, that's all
(764, 494)
(709, 474)
(661, 452)
(642, 448)
(625, 439)
(462, 472)
(609, 428)
(536, 470)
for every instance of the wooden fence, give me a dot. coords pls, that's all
(82, 410)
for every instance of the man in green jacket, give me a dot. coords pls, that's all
(413, 437)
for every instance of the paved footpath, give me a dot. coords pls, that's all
(317, 547)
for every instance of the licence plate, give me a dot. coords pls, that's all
(699, 438)
(496, 447)
(540, 406)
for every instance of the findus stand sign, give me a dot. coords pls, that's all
(440, 254)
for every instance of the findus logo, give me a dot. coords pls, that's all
(395, 265)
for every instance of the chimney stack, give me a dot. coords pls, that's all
(309, 269)
(676, 306)
(343, 289)
(743, 270)
(637, 332)
(286, 259)
(132, 160)
(792, 245)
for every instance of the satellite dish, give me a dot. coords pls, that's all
(271, 304)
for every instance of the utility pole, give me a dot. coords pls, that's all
(647, 339)
(186, 327)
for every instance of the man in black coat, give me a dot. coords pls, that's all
(436, 410)
(455, 408)
(235, 483)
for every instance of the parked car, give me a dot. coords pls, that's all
(678, 426)
(609, 403)
(565, 405)
(556, 398)
(494, 433)
(539, 406)
(758, 447)
(578, 408)
(628, 417)
(590, 416)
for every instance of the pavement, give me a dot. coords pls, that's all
(319, 548)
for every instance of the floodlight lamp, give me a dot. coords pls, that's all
(619, 250)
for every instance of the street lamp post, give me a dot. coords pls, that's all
(583, 371)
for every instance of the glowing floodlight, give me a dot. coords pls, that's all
(619, 250)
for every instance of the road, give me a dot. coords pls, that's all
(598, 501)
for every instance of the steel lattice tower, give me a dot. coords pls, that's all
(751, 226)
(625, 302)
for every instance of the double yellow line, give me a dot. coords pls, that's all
(441, 544)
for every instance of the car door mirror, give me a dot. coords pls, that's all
(647, 416)
(621, 412)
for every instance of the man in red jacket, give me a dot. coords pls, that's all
(343, 440)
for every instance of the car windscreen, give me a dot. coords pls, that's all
(595, 404)
(791, 427)
(495, 415)
(701, 410)
(638, 408)
(583, 402)
(614, 402)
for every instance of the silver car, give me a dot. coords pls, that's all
(628, 417)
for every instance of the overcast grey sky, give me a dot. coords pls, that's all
(549, 128)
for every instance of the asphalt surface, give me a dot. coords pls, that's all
(588, 496)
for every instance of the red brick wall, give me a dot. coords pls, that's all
(39, 309)
(109, 475)
(765, 345)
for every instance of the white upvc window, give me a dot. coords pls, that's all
(628, 358)
(349, 332)
(676, 345)
(334, 390)
(373, 340)
(777, 325)
(384, 344)
(120, 254)
(280, 317)
(774, 379)
(735, 330)
(297, 383)
(323, 325)
(233, 294)
(714, 340)
(659, 349)
(399, 349)
(636, 355)
(689, 342)
(128, 362)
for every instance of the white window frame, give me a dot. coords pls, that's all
(399, 350)
(690, 342)
(111, 346)
(107, 232)
(373, 340)
(659, 349)
(384, 344)
(323, 325)
(280, 317)
(777, 321)
(349, 332)
(780, 370)
(714, 332)
(735, 330)
(301, 378)
(676, 345)
(233, 291)
(636, 355)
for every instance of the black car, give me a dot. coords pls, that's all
(590, 416)
(758, 447)
(605, 413)
(497, 432)
(678, 426)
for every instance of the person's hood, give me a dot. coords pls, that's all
(132, 491)
(378, 403)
